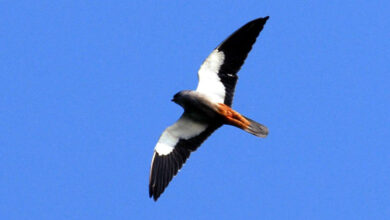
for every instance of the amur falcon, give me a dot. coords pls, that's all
(207, 108)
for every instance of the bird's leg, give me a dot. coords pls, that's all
(232, 117)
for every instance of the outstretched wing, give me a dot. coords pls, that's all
(172, 150)
(218, 73)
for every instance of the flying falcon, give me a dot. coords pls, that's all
(207, 108)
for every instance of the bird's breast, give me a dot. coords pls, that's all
(199, 106)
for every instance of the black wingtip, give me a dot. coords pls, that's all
(260, 20)
(153, 193)
(265, 18)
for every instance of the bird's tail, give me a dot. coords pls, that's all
(236, 119)
(256, 128)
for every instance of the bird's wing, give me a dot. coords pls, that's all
(218, 73)
(172, 150)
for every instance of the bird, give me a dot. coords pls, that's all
(207, 108)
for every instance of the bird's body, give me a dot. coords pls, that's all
(196, 105)
(207, 108)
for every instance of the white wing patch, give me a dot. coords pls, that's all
(184, 128)
(209, 82)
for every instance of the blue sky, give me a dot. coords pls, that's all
(86, 89)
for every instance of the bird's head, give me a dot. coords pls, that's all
(180, 97)
(177, 97)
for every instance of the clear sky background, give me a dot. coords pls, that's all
(85, 90)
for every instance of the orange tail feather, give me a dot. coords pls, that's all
(236, 119)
